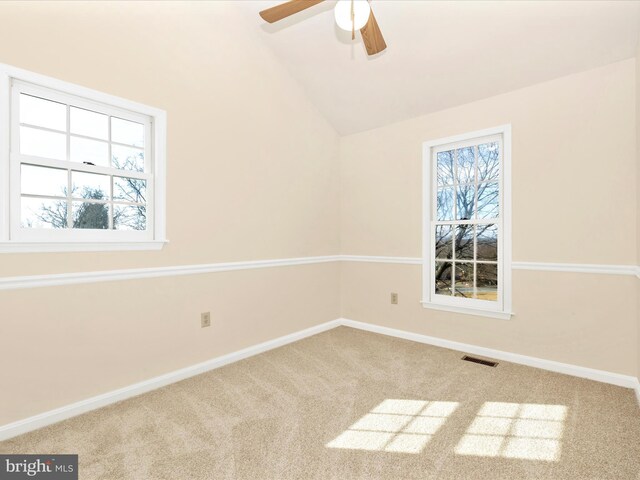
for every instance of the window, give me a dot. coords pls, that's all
(467, 230)
(82, 170)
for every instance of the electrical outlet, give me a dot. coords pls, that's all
(394, 298)
(205, 319)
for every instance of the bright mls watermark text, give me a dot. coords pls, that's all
(49, 467)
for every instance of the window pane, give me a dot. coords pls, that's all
(465, 202)
(465, 166)
(127, 217)
(43, 213)
(464, 242)
(129, 133)
(464, 280)
(445, 204)
(445, 168)
(444, 241)
(488, 198)
(442, 278)
(130, 189)
(41, 143)
(90, 185)
(127, 158)
(487, 242)
(88, 123)
(51, 182)
(90, 215)
(488, 161)
(43, 113)
(487, 281)
(89, 151)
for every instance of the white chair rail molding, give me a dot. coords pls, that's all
(49, 280)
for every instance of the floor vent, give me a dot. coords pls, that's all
(488, 363)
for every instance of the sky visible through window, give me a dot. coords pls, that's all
(79, 195)
(467, 214)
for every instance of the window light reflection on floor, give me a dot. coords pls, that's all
(404, 426)
(515, 430)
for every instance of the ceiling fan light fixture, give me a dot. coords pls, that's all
(361, 12)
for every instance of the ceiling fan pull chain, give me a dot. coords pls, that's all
(353, 22)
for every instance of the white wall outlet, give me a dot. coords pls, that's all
(205, 319)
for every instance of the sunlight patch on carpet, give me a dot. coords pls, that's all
(515, 430)
(400, 426)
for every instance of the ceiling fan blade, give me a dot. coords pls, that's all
(372, 36)
(283, 10)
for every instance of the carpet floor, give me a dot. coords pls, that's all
(348, 404)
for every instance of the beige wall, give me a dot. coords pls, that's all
(590, 324)
(64, 344)
(573, 151)
(252, 174)
(252, 165)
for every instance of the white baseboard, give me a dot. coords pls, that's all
(638, 391)
(83, 406)
(53, 416)
(574, 370)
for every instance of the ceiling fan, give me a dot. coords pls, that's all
(351, 15)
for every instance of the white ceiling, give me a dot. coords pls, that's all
(442, 54)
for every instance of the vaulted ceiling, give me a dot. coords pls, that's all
(442, 54)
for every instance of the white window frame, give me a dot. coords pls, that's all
(13, 238)
(502, 308)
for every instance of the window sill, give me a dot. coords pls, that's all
(43, 247)
(468, 311)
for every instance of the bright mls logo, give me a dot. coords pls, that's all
(49, 467)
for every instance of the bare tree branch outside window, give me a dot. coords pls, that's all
(467, 190)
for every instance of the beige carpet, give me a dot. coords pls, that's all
(348, 404)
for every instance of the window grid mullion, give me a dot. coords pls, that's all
(68, 157)
(475, 287)
(85, 137)
(109, 147)
(111, 207)
(475, 184)
(45, 129)
(84, 200)
(69, 202)
(455, 216)
(474, 216)
(81, 167)
(480, 221)
(453, 278)
(478, 262)
(455, 183)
